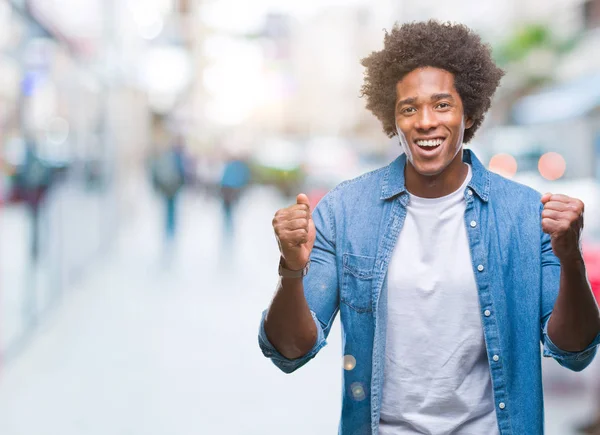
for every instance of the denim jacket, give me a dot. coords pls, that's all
(517, 276)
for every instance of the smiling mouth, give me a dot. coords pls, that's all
(429, 144)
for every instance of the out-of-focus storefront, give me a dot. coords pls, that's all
(58, 187)
(567, 119)
(80, 83)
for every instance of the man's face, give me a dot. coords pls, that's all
(430, 119)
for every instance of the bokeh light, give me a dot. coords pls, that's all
(503, 164)
(57, 131)
(349, 362)
(552, 166)
(151, 29)
(358, 391)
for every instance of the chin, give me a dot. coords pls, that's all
(429, 170)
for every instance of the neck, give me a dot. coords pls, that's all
(436, 186)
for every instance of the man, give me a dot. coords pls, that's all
(235, 178)
(32, 181)
(168, 178)
(447, 277)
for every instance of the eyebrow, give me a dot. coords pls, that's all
(438, 97)
(434, 98)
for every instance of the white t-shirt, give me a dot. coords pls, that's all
(436, 376)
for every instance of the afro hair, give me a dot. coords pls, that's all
(451, 47)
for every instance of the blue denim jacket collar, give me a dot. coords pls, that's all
(394, 182)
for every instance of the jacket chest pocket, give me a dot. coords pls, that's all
(357, 282)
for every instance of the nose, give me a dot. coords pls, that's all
(426, 119)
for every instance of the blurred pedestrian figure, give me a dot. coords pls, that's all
(32, 180)
(235, 178)
(168, 177)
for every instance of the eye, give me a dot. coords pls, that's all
(408, 110)
(443, 105)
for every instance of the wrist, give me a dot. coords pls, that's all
(292, 267)
(573, 263)
(286, 272)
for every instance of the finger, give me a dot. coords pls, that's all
(302, 207)
(298, 214)
(283, 217)
(560, 198)
(292, 212)
(550, 226)
(297, 237)
(551, 214)
(546, 197)
(303, 199)
(574, 206)
(296, 224)
(555, 227)
(557, 206)
(566, 216)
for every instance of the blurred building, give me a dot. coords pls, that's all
(79, 82)
(555, 106)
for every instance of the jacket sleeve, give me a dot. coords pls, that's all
(320, 289)
(575, 361)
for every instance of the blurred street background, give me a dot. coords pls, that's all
(145, 146)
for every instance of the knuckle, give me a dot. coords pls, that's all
(574, 216)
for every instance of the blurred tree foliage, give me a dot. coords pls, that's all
(287, 181)
(529, 38)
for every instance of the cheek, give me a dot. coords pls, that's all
(458, 130)
(402, 126)
(452, 120)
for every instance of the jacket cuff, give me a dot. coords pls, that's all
(552, 350)
(285, 364)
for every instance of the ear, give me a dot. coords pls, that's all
(469, 123)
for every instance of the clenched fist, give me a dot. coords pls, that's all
(295, 232)
(562, 219)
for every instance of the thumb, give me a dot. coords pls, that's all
(303, 199)
(546, 197)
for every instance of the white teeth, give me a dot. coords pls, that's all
(430, 143)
